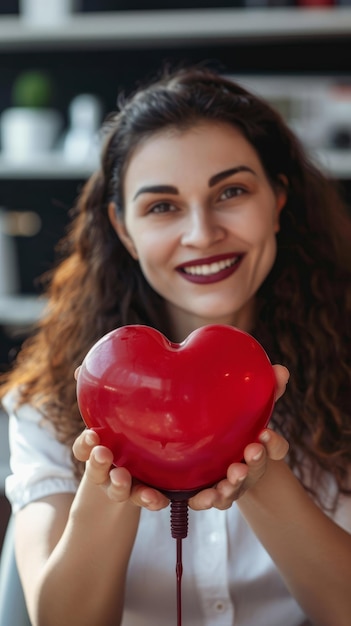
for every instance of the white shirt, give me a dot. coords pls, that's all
(228, 577)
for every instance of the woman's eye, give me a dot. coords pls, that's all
(231, 192)
(162, 207)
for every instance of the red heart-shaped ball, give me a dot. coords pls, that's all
(176, 415)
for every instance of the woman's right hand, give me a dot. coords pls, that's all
(117, 482)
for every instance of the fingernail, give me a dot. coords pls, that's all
(89, 438)
(99, 455)
(265, 437)
(258, 456)
(145, 500)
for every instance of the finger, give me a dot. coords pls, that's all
(277, 447)
(99, 465)
(222, 495)
(120, 484)
(84, 444)
(76, 372)
(236, 474)
(149, 498)
(255, 457)
(203, 500)
(254, 454)
(282, 375)
(227, 491)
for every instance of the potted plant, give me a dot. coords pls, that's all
(31, 126)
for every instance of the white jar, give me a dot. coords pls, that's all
(47, 12)
(28, 133)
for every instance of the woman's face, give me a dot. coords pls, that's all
(201, 218)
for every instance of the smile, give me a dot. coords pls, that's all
(211, 270)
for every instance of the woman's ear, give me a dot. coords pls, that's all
(120, 228)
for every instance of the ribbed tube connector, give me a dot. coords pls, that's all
(179, 519)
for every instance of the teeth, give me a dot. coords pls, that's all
(211, 268)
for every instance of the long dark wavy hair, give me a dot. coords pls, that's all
(303, 307)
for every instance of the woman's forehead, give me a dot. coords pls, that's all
(198, 153)
(212, 135)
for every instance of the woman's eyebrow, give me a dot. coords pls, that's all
(213, 181)
(221, 175)
(157, 189)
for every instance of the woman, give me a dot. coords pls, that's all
(205, 210)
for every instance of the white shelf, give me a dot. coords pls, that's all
(20, 310)
(51, 166)
(180, 27)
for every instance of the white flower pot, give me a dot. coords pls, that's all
(28, 133)
(46, 12)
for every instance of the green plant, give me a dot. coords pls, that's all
(33, 88)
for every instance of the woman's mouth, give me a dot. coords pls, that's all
(210, 270)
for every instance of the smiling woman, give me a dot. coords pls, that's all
(204, 210)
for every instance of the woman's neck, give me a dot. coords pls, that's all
(182, 324)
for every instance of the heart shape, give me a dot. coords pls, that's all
(176, 415)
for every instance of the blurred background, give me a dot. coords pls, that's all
(62, 63)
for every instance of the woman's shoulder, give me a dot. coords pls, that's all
(23, 412)
(41, 465)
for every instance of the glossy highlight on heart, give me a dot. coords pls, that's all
(176, 415)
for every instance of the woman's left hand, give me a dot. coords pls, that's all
(242, 476)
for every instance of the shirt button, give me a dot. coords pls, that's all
(219, 606)
(215, 537)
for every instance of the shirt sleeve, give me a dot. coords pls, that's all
(40, 464)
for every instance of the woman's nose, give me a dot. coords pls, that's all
(202, 229)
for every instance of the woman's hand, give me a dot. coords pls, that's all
(242, 476)
(119, 485)
(116, 481)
